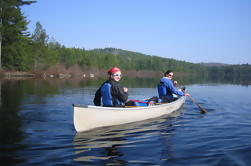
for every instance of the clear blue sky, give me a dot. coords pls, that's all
(190, 30)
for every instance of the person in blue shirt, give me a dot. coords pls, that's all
(111, 93)
(166, 88)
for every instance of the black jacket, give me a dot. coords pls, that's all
(116, 90)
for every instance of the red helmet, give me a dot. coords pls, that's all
(113, 70)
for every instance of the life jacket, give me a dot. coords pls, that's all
(106, 95)
(163, 91)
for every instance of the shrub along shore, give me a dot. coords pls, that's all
(81, 74)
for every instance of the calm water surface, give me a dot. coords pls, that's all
(37, 127)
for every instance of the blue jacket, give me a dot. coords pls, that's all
(111, 93)
(166, 88)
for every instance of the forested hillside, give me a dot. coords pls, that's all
(33, 52)
(137, 61)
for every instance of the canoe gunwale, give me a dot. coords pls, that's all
(124, 108)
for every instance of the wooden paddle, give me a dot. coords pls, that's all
(202, 110)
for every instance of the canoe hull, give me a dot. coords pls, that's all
(89, 117)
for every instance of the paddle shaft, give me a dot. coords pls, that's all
(201, 109)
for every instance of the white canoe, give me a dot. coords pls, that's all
(89, 117)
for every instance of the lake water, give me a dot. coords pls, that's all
(36, 125)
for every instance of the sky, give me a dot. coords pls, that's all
(189, 30)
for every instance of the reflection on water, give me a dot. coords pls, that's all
(10, 122)
(37, 128)
(111, 144)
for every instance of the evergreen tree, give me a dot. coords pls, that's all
(39, 39)
(14, 38)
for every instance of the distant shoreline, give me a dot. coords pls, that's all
(80, 74)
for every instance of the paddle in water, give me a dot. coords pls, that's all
(202, 110)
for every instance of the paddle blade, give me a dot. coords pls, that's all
(202, 110)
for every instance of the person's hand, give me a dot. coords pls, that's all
(187, 94)
(125, 89)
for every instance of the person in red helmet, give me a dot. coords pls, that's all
(111, 93)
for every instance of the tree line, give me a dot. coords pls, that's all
(22, 51)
